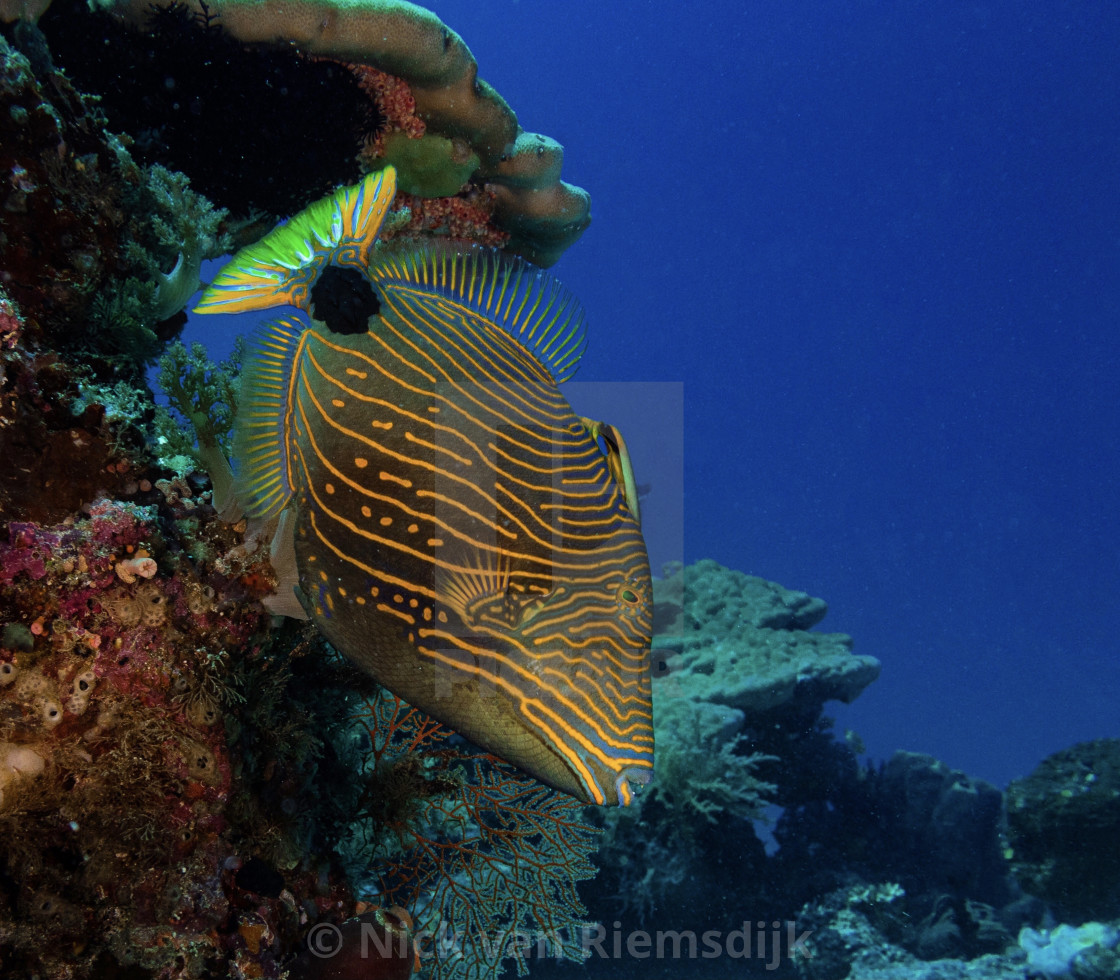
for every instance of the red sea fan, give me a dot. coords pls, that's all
(485, 858)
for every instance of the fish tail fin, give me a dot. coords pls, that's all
(263, 415)
(282, 267)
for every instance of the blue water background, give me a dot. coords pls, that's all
(878, 244)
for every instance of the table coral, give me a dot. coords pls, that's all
(738, 689)
(738, 640)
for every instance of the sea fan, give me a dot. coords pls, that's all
(485, 858)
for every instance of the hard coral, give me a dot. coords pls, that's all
(737, 701)
(1063, 829)
(88, 235)
(60, 193)
(738, 640)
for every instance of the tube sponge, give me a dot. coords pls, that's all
(471, 132)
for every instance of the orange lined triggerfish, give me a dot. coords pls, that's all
(459, 532)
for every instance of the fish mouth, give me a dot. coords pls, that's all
(630, 783)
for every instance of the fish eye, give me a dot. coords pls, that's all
(629, 595)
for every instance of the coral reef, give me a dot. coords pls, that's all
(744, 642)
(89, 237)
(176, 776)
(738, 689)
(179, 775)
(249, 168)
(61, 182)
(887, 866)
(365, 84)
(1063, 831)
(482, 854)
(1087, 952)
(913, 819)
(854, 932)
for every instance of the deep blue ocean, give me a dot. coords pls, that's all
(873, 250)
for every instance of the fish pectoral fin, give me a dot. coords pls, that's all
(526, 607)
(472, 581)
(478, 585)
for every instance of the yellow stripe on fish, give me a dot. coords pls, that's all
(459, 532)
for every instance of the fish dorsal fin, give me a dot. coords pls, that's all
(260, 449)
(282, 267)
(526, 302)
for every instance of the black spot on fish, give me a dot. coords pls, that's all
(344, 300)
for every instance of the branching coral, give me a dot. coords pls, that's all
(706, 781)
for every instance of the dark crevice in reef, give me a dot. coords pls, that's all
(186, 92)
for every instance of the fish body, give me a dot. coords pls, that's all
(460, 533)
